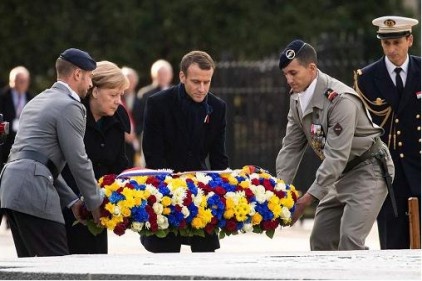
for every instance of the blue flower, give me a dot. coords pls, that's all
(139, 214)
(193, 211)
(163, 189)
(175, 217)
(264, 211)
(116, 197)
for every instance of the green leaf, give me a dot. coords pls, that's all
(221, 235)
(270, 233)
(94, 228)
(161, 233)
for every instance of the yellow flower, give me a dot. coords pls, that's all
(166, 201)
(107, 192)
(110, 207)
(287, 201)
(274, 200)
(197, 223)
(232, 180)
(229, 203)
(140, 179)
(229, 213)
(245, 184)
(256, 219)
(166, 211)
(126, 212)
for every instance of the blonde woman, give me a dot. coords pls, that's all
(106, 124)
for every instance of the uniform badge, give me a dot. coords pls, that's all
(330, 94)
(337, 129)
(317, 140)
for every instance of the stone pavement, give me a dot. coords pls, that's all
(245, 256)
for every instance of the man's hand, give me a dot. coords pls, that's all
(96, 214)
(76, 209)
(301, 204)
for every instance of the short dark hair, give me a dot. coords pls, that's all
(307, 55)
(64, 68)
(202, 59)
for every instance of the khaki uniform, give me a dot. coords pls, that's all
(338, 128)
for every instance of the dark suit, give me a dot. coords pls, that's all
(180, 134)
(7, 108)
(105, 146)
(400, 116)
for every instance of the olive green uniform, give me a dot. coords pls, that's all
(338, 127)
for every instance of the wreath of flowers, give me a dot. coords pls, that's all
(194, 203)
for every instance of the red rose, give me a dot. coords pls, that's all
(182, 224)
(231, 225)
(130, 186)
(280, 193)
(152, 180)
(188, 199)
(249, 194)
(108, 179)
(220, 190)
(268, 185)
(154, 227)
(120, 229)
(294, 196)
(152, 199)
(255, 182)
(209, 228)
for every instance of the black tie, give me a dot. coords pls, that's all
(399, 82)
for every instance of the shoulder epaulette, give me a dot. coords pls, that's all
(330, 94)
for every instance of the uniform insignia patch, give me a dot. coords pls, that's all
(338, 129)
(330, 94)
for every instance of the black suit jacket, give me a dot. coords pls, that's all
(167, 141)
(404, 121)
(7, 108)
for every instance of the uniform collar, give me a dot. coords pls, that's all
(391, 67)
(73, 94)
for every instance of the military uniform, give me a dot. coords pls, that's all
(400, 116)
(337, 127)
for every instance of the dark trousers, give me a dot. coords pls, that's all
(394, 232)
(172, 243)
(80, 240)
(35, 236)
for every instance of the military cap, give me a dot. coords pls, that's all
(290, 52)
(79, 58)
(390, 27)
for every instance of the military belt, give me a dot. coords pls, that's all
(376, 152)
(36, 156)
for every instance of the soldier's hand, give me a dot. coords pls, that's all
(76, 210)
(96, 214)
(301, 205)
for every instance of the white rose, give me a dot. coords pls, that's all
(280, 186)
(285, 213)
(162, 222)
(137, 226)
(185, 212)
(158, 208)
(247, 227)
(116, 211)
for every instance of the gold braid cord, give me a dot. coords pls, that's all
(370, 105)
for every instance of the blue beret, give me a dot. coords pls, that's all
(290, 52)
(79, 58)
